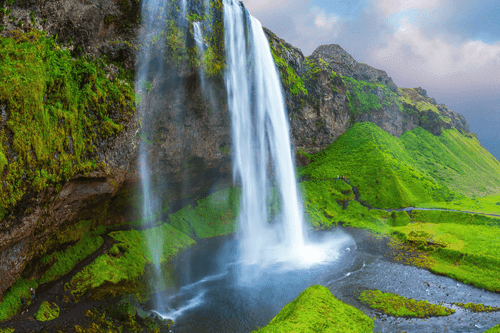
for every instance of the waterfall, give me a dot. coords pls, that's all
(153, 22)
(260, 133)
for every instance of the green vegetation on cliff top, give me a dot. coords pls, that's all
(399, 306)
(55, 109)
(317, 310)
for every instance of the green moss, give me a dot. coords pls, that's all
(55, 108)
(416, 169)
(289, 78)
(316, 310)
(399, 306)
(11, 302)
(120, 269)
(64, 261)
(363, 96)
(47, 311)
(213, 216)
(400, 219)
(467, 252)
(380, 168)
(7, 330)
(477, 307)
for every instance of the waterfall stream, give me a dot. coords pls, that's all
(261, 143)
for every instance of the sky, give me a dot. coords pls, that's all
(451, 48)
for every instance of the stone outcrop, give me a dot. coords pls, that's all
(344, 64)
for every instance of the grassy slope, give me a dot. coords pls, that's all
(316, 310)
(400, 306)
(418, 169)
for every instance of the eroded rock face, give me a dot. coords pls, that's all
(344, 64)
(320, 116)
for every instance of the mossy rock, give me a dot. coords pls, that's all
(47, 311)
(7, 330)
(316, 310)
(399, 306)
(400, 218)
(477, 307)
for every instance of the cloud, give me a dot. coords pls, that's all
(412, 57)
(389, 7)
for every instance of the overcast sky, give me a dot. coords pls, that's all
(451, 48)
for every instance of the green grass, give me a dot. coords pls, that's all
(213, 216)
(477, 307)
(7, 330)
(57, 109)
(64, 261)
(47, 311)
(417, 169)
(399, 306)
(363, 96)
(121, 268)
(58, 263)
(317, 310)
(495, 329)
(11, 302)
(464, 247)
(380, 168)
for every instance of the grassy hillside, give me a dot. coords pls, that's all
(414, 170)
(422, 170)
(316, 310)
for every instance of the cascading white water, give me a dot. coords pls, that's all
(260, 132)
(152, 10)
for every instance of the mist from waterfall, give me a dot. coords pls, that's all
(261, 145)
(153, 22)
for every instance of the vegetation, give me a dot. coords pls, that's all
(54, 265)
(364, 96)
(213, 216)
(11, 302)
(316, 310)
(47, 311)
(7, 330)
(495, 329)
(119, 270)
(418, 169)
(289, 78)
(55, 109)
(477, 307)
(399, 306)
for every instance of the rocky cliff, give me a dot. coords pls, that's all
(75, 156)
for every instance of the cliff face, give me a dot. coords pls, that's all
(329, 90)
(95, 175)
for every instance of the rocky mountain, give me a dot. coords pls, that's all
(88, 50)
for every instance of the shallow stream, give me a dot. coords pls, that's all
(218, 294)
